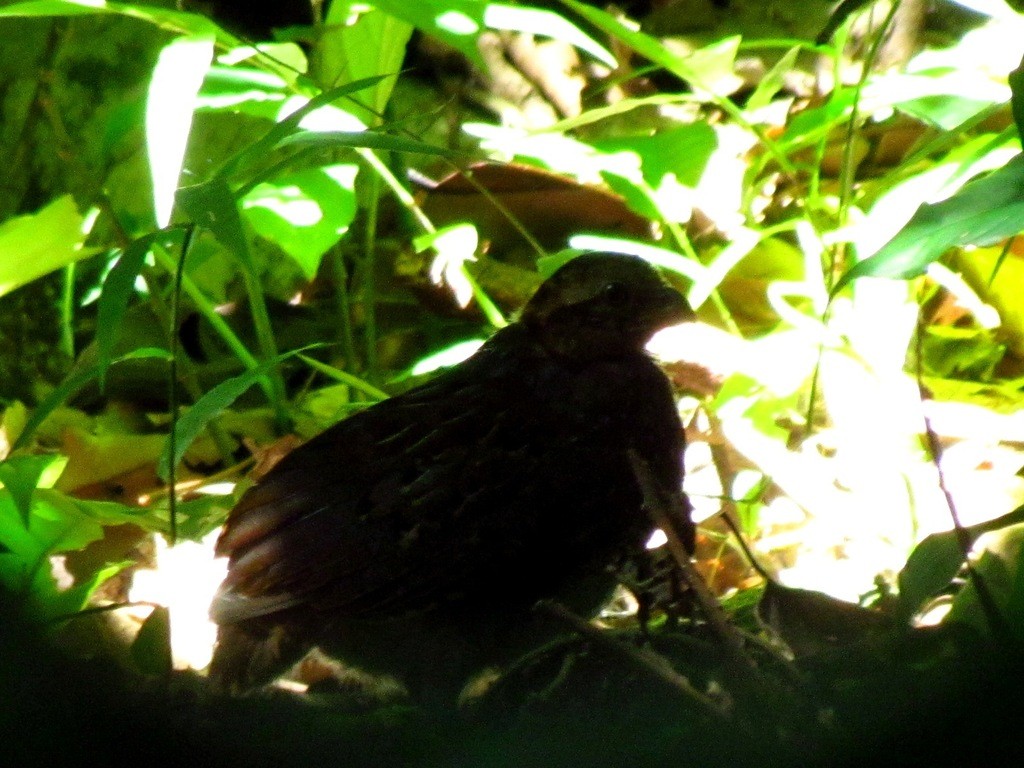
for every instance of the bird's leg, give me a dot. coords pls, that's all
(252, 655)
(642, 592)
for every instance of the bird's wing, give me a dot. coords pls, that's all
(433, 497)
(367, 516)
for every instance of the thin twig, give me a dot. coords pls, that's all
(185, 486)
(172, 384)
(996, 621)
(727, 472)
(765, 696)
(642, 658)
(665, 514)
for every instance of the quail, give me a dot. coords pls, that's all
(413, 538)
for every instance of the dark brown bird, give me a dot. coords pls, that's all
(413, 538)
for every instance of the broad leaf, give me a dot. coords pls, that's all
(984, 211)
(151, 650)
(210, 405)
(38, 243)
(937, 559)
(305, 212)
(118, 288)
(21, 475)
(70, 386)
(170, 103)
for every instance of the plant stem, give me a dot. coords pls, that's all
(370, 278)
(268, 346)
(222, 329)
(188, 374)
(344, 306)
(67, 312)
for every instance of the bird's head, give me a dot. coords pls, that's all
(602, 305)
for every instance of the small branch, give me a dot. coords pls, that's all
(754, 689)
(727, 472)
(996, 621)
(185, 486)
(665, 513)
(640, 658)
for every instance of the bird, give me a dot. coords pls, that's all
(414, 538)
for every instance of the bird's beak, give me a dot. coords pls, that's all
(673, 308)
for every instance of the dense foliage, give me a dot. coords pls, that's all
(289, 230)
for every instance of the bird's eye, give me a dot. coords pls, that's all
(614, 294)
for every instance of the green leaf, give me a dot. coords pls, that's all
(170, 103)
(773, 81)
(195, 517)
(713, 67)
(681, 152)
(930, 567)
(984, 211)
(1016, 80)
(56, 523)
(210, 405)
(50, 528)
(51, 8)
(446, 357)
(151, 650)
(458, 23)
(212, 205)
(537, 21)
(38, 243)
(68, 602)
(345, 378)
(810, 124)
(945, 96)
(305, 213)
(703, 69)
(70, 386)
(349, 52)
(996, 568)
(177, 22)
(937, 559)
(945, 111)
(21, 475)
(259, 148)
(894, 208)
(118, 288)
(242, 89)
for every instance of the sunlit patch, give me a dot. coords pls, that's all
(935, 613)
(447, 357)
(184, 579)
(657, 539)
(703, 484)
(724, 354)
(225, 488)
(848, 503)
(457, 22)
(455, 245)
(290, 203)
(326, 118)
